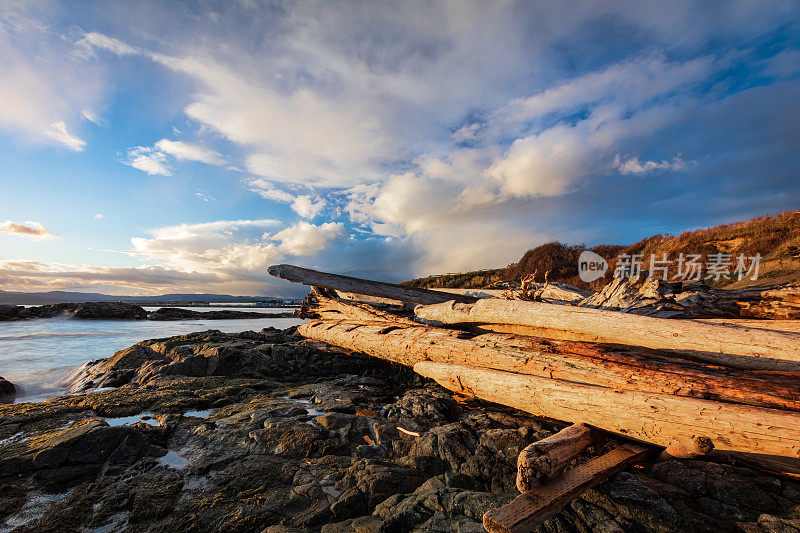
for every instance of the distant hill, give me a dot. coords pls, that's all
(56, 297)
(775, 237)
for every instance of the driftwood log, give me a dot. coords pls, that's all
(318, 306)
(380, 289)
(605, 366)
(742, 347)
(648, 417)
(530, 509)
(543, 460)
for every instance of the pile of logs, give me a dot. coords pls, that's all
(663, 387)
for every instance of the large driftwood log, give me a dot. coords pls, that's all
(655, 418)
(606, 366)
(742, 347)
(336, 282)
(543, 460)
(318, 306)
(530, 509)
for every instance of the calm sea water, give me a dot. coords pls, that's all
(39, 355)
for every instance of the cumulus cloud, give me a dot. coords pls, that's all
(447, 141)
(307, 239)
(31, 230)
(634, 166)
(307, 206)
(58, 132)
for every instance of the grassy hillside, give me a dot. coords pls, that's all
(776, 238)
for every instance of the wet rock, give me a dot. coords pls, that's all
(282, 448)
(10, 312)
(6, 388)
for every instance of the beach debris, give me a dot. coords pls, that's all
(667, 388)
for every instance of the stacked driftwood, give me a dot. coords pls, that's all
(689, 387)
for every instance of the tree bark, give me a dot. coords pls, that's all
(655, 418)
(735, 346)
(361, 286)
(614, 367)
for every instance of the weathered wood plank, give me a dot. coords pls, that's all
(648, 417)
(607, 366)
(530, 509)
(544, 459)
(735, 346)
(361, 286)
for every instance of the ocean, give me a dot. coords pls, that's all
(39, 355)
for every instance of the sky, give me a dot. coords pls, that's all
(154, 147)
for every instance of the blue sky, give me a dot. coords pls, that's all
(150, 147)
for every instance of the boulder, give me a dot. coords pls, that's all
(6, 388)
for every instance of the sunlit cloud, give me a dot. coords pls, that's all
(31, 230)
(634, 166)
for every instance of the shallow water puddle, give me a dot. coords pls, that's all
(198, 414)
(174, 460)
(147, 418)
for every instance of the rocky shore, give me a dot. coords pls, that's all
(123, 311)
(264, 431)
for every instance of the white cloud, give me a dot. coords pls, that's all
(98, 40)
(634, 166)
(58, 132)
(189, 152)
(307, 239)
(203, 196)
(148, 160)
(98, 216)
(266, 189)
(44, 88)
(91, 117)
(31, 230)
(155, 160)
(307, 206)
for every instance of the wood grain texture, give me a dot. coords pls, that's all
(606, 366)
(737, 346)
(648, 417)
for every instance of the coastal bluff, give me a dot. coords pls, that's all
(269, 432)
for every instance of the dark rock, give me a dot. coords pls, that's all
(87, 310)
(175, 313)
(303, 437)
(6, 388)
(10, 312)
